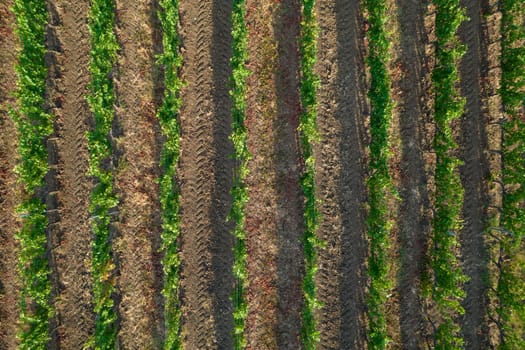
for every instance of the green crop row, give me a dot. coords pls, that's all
(379, 182)
(511, 283)
(241, 157)
(309, 136)
(34, 126)
(171, 61)
(447, 290)
(103, 56)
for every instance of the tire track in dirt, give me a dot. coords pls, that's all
(137, 137)
(10, 191)
(69, 231)
(222, 237)
(288, 169)
(202, 180)
(340, 175)
(473, 175)
(261, 220)
(412, 94)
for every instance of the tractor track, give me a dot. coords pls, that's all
(473, 175)
(412, 95)
(204, 185)
(340, 175)
(137, 138)
(70, 231)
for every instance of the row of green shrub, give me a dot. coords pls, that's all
(170, 61)
(241, 157)
(448, 279)
(308, 137)
(379, 182)
(34, 125)
(511, 283)
(101, 99)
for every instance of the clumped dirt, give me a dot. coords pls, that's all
(137, 138)
(205, 173)
(10, 191)
(340, 175)
(68, 184)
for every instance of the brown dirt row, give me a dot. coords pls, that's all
(288, 167)
(10, 191)
(68, 184)
(261, 218)
(205, 173)
(474, 175)
(340, 175)
(411, 92)
(137, 138)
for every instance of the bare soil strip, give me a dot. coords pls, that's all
(9, 190)
(206, 244)
(136, 132)
(340, 175)
(288, 169)
(411, 94)
(69, 227)
(474, 174)
(261, 218)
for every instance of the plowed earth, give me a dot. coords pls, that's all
(274, 212)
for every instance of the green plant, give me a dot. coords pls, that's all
(34, 126)
(308, 137)
(103, 56)
(379, 182)
(241, 157)
(510, 289)
(171, 61)
(448, 279)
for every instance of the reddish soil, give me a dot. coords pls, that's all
(340, 175)
(136, 134)
(68, 184)
(411, 93)
(474, 175)
(9, 189)
(205, 175)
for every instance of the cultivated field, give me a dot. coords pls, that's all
(262, 174)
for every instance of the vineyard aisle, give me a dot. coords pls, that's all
(10, 190)
(205, 173)
(68, 64)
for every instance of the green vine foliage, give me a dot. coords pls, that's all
(379, 183)
(241, 156)
(34, 125)
(447, 291)
(308, 137)
(103, 56)
(171, 61)
(511, 283)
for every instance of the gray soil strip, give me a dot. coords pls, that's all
(412, 98)
(261, 220)
(136, 132)
(205, 170)
(9, 189)
(473, 175)
(69, 226)
(340, 175)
